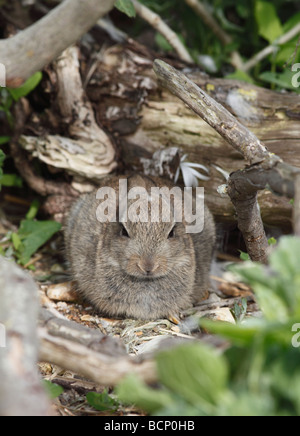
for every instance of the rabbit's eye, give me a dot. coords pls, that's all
(172, 233)
(124, 232)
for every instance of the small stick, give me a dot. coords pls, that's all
(155, 21)
(271, 48)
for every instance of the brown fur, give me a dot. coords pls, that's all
(147, 275)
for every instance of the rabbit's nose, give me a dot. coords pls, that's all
(147, 266)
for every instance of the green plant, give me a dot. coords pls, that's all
(127, 7)
(251, 26)
(53, 390)
(259, 374)
(31, 235)
(102, 401)
(8, 179)
(10, 95)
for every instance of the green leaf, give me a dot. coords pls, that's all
(162, 42)
(28, 87)
(195, 372)
(101, 401)
(291, 22)
(272, 241)
(285, 260)
(53, 390)
(2, 158)
(244, 256)
(4, 139)
(246, 334)
(133, 391)
(33, 211)
(127, 7)
(269, 25)
(12, 180)
(266, 289)
(17, 243)
(283, 80)
(285, 377)
(240, 75)
(34, 234)
(239, 310)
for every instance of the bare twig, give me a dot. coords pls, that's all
(155, 21)
(33, 48)
(272, 48)
(209, 20)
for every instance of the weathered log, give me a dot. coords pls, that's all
(91, 154)
(159, 120)
(142, 118)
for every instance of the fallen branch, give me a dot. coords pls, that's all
(219, 118)
(93, 339)
(21, 393)
(101, 368)
(266, 169)
(100, 358)
(32, 49)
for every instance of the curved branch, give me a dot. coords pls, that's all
(32, 49)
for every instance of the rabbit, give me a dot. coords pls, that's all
(142, 270)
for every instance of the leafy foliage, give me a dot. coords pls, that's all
(252, 26)
(102, 402)
(258, 375)
(27, 87)
(31, 235)
(127, 7)
(53, 390)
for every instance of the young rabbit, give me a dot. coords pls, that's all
(144, 270)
